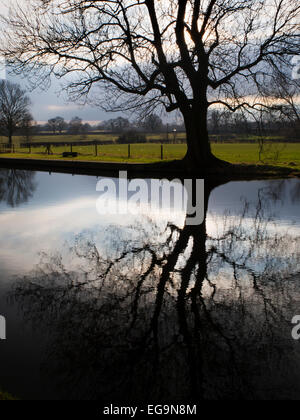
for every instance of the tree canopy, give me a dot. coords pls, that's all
(186, 55)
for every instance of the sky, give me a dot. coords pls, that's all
(51, 103)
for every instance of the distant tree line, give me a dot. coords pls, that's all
(281, 121)
(58, 126)
(127, 131)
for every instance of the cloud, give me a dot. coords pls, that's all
(60, 108)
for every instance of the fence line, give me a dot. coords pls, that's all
(67, 143)
(126, 151)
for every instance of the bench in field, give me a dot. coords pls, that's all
(70, 154)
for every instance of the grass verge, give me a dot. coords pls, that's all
(286, 155)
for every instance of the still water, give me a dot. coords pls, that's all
(145, 308)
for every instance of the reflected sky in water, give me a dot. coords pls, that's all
(124, 301)
(62, 206)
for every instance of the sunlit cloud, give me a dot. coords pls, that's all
(59, 108)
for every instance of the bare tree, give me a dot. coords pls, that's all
(28, 129)
(152, 123)
(57, 124)
(184, 55)
(215, 120)
(116, 125)
(52, 125)
(14, 109)
(286, 92)
(75, 126)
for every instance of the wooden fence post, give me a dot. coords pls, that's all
(96, 149)
(162, 152)
(129, 151)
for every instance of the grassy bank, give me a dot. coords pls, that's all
(283, 155)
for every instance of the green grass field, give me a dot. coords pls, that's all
(279, 154)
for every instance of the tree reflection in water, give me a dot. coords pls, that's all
(175, 314)
(16, 186)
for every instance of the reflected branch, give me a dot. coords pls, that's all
(170, 313)
(16, 186)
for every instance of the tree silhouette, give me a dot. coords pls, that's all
(14, 109)
(184, 55)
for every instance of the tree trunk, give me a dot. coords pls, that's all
(199, 156)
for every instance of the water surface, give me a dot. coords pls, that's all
(146, 308)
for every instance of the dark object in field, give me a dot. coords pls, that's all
(70, 154)
(132, 137)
